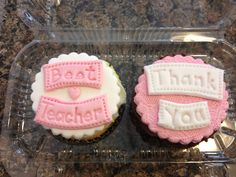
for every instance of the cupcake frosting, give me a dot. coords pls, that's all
(85, 93)
(181, 99)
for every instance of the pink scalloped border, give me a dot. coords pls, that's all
(147, 108)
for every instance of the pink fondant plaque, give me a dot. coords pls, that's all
(81, 73)
(89, 113)
(149, 106)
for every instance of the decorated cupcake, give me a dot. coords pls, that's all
(181, 99)
(77, 96)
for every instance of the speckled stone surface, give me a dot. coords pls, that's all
(15, 35)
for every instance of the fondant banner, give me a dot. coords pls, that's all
(186, 79)
(183, 116)
(90, 113)
(83, 73)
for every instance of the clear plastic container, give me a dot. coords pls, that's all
(121, 33)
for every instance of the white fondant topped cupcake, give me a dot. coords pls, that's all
(77, 96)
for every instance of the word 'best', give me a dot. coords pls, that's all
(63, 74)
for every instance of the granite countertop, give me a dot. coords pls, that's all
(14, 35)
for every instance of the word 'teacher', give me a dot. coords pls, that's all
(89, 113)
(186, 79)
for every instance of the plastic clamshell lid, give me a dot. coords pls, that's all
(126, 14)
